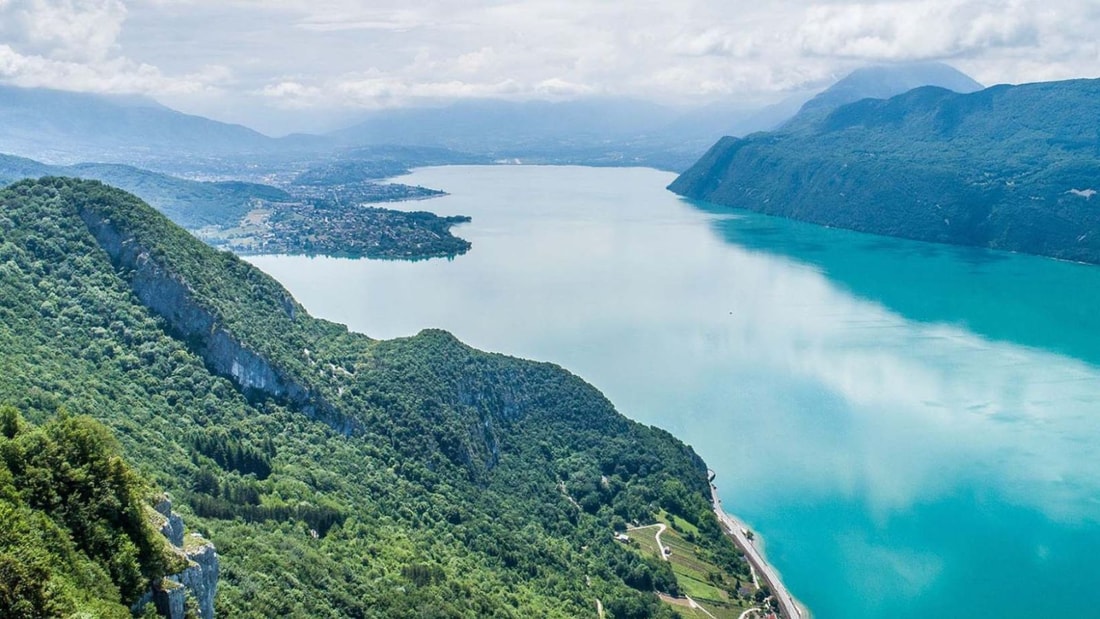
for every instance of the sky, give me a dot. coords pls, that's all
(285, 65)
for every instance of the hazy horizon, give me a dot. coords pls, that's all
(289, 65)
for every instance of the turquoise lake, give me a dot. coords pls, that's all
(914, 429)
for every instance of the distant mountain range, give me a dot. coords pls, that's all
(65, 128)
(1007, 167)
(595, 131)
(494, 125)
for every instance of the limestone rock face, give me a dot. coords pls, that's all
(173, 524)
(197, 582)
(172, 297)
(200, 579)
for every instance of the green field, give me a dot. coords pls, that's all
(703, 581)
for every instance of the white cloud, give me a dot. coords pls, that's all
(557, 87)
(384, 91)
(73, 45)
(715, 42)
(293, 94)
(916, 29)
(76, 30)
(387, 52)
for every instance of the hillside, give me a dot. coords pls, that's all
(75, 537)
(189, 203)
(1009, 167)
(252, 218)
(339, 476)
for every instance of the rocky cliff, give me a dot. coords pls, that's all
(172, 298)
(196, 582)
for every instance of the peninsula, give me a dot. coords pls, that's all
(336, 474)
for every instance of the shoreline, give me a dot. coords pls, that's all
(735, 528)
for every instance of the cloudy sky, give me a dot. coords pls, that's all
(292, 64)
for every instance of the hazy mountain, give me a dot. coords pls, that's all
(489, 125)
(1008, 167)
(594, 131)
(66, 127)
(883, 82)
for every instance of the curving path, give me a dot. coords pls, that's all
(787, 606)
(698, 606)
(661, 528)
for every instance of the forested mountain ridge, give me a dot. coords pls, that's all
(337, 475)
(189, 203)
(1008, 167)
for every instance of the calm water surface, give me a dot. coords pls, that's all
(914, 428)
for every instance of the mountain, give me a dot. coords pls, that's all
(883, 82)
(1008, 167)
(75, 534)
(595, 131)
(66, 127)
(338, 475)
(497, 126)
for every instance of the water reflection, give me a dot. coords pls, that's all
(1027, 300)
(895, 417)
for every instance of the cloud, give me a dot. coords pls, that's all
(347, 53)
(557, 87)
(73, 45)
(293, 94)
(916, 29)
(381, 91)
(74, 30)
(715, 42)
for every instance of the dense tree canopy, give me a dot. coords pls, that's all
(419, 478)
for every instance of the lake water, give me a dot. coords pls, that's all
(913, 428)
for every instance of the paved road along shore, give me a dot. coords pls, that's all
(787, 605)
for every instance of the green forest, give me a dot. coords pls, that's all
(415, 477)
(1008, 167)
(76, 534)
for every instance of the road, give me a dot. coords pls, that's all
(787, 606)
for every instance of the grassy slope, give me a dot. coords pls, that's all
(699, 575)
